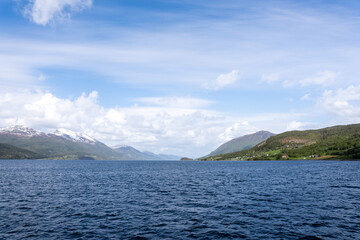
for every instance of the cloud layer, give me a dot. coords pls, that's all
(176, 128)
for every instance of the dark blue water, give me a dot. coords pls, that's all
(179, 200)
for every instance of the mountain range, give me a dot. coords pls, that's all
(22, 142)
(338, 142)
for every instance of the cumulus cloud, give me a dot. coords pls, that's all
(223, 80)
(178, 128)
(342, 102)
(44, 12)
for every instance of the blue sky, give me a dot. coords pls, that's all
(177, 76)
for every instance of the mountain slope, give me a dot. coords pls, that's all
(242, 143)
(11, 152)
(341, 142)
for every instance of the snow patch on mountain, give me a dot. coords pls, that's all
(21, 131)
(74, 136)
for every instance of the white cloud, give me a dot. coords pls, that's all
(306, 97)
(343, 103)
(176, 102)
(44, 12)
(223, 80)
(324, 78)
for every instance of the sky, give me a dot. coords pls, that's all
(179, 77)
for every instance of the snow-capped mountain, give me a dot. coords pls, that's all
(67, 144)
(21, 131)
(61, 144)
(74, 136)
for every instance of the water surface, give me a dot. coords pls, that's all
(179, 200)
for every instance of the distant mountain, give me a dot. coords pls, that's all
(338, 142)
(10, 152)
(24, 142)
(242, 143)
(62, 144)
(130, 153)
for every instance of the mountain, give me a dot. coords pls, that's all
(242, 143)
(339, 142)
(10, 152)
(130, 153)
(62, 144)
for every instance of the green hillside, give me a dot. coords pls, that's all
(242, 143)
(339, 142)
(11, 152)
